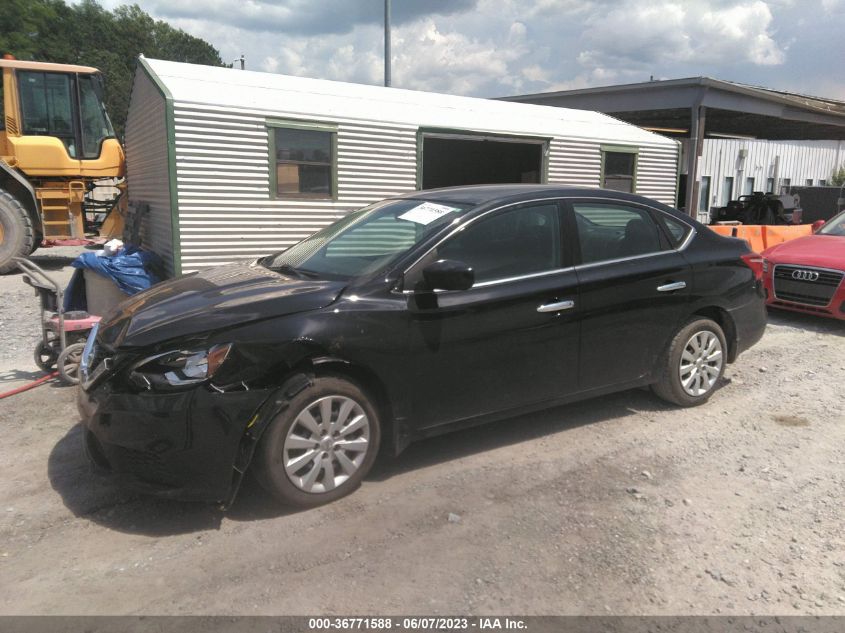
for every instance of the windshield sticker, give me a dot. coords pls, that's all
(427, 212)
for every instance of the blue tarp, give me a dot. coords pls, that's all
(131, 269)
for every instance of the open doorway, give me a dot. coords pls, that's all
(453, 160)
(682, 192)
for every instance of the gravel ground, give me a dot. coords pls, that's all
(619, 505)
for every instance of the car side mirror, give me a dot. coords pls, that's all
(448, 274)
(817, 225)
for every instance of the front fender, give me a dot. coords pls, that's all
(275, 403)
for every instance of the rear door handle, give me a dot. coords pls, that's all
(557, 306)
(675, 285)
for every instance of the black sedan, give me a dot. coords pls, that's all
(411, 317)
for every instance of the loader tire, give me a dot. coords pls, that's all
(17, 236)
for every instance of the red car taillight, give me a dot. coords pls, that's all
(755, 262)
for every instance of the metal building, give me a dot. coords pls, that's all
(236, 164)
(734, 136)
(730, 168)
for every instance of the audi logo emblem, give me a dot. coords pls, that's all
(805, 275)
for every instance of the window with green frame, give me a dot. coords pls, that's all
(303, 160)
(619, 168)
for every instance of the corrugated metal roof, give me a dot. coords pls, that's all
(226, 87)
(807, 102)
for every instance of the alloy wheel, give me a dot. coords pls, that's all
(701, 363)
(326, 444)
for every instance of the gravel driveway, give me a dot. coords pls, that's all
(618, 505)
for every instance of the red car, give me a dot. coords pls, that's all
(805, 274)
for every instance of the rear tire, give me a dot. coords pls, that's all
(694, 364)
(321, 446)
(45, 355)
(17, 236)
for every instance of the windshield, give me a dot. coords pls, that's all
(834, 226)
(367, 240)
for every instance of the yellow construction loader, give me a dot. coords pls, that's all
(58, 153)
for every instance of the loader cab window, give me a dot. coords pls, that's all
(47, 106)
(96, 126)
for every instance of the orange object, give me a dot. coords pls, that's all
(727, 231)
(773, 235)
(753, 234)
(29, 385)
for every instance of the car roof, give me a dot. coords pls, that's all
(479, 194)
(486, 195)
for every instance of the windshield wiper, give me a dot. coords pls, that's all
(299, 273)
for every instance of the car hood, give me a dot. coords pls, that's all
(824, 251)
(212, 300)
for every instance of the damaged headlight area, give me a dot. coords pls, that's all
(178, 368)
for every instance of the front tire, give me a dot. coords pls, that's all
(321, 446)
(694, 364)
(17, 236)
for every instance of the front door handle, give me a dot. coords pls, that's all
(557, 306)
(675, 285)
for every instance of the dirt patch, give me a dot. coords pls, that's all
(791, 420)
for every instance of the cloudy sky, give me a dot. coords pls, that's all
(504, 47)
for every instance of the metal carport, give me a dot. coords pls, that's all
(696, 107)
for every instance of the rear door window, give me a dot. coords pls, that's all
(609, 231)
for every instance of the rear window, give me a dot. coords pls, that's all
(677, 230)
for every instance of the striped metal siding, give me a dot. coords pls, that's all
(222, 170)
(657, 173)
(147, 165)
(578, 164)
(574, 163)
(797, 160)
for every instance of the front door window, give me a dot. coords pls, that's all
(510, 244)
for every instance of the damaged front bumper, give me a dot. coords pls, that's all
(191, 445)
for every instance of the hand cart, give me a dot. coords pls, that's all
(63, 334)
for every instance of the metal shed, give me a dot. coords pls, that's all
(236, 164)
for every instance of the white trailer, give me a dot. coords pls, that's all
(236, 164)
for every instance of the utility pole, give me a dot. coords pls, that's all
(387, 42)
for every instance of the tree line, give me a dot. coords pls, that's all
(88, 34)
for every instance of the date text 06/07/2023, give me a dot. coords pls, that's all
(415, 623)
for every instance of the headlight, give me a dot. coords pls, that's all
(178, 368)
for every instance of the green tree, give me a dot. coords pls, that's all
(22, 24)
(837, 178)
(88, 34)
